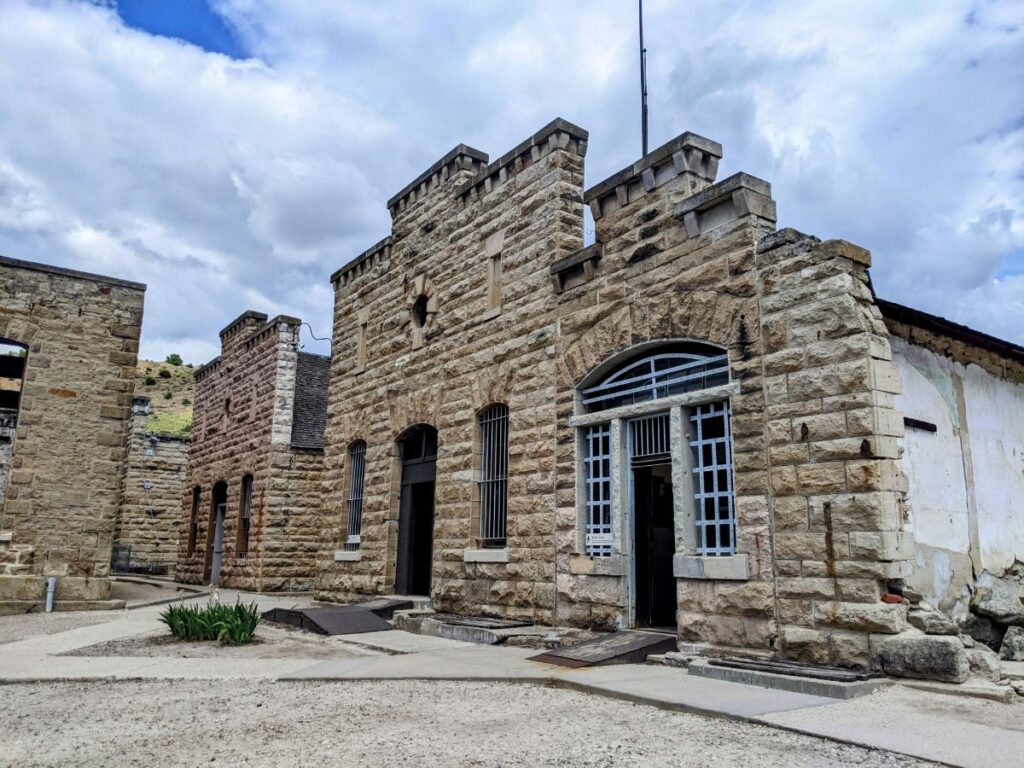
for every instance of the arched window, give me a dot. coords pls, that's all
(493, 483)
(691, 434)
(244, 517)
(356, 490)
(671, 369)
(193, 521)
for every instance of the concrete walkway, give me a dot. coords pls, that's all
(930, 726)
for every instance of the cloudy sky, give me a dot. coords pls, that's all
(232, 153)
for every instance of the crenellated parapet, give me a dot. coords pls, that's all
(461, 159)
(558, 134)
(733, 198)
(689, 162)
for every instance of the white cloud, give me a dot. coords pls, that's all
(227, 185)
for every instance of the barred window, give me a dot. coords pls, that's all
(193, 522)
(713, 484)
(244, 517)
(493, 485)
(597, 461)
(356, 482)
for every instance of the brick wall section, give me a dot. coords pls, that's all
(149, 516)
(242, 424)
(82, 334)
(528, 206)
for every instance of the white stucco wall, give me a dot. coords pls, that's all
(967, 474)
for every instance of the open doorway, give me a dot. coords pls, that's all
(418, 451)
(12, 372)
(653, 522)
(215, 542)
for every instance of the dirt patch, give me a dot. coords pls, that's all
(381, 724)
(271, 642)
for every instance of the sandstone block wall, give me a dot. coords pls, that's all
(525, 207)
(677, 257)
(60, 506)
(149, 514)
(242, 424)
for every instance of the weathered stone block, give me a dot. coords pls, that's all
(923, 656)
(879, 618)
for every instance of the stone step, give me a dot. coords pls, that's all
(794, 683)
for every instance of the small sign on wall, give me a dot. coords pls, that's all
(600, 539)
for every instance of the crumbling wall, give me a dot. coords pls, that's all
(965, 464)
(60, 506)
(149, 515)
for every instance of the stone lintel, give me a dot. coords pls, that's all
(485, 555)
(558, 134)
(460, 157)
(686, 153)
(713, 568)
(361, 262)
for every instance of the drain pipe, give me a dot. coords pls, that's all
(51, 590)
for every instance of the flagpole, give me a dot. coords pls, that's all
(643, 80)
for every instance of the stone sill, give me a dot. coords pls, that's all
(490, 314)
(485, 555)
(721, 568)
(585, 565)
(348, 556)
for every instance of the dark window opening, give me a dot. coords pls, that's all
(245, 517)
(419, 310)
(193, 522)
(493, 484)
(419, 443)
(357, 475)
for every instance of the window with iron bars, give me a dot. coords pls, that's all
(193, 522)
(493, 484)
(597, 463)
(356, 481)
(713, 482)
(245, 517)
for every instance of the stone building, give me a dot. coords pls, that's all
(252, 513)
(67, 396)
(149, 513)
(692, 422)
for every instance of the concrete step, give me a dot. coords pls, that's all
(793, 683)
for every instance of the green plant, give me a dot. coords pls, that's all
(174, 359)
(168, 395)
(228, 624)
(164, 373)
(186, 401)
(150, 381)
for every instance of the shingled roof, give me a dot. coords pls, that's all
(309, 414)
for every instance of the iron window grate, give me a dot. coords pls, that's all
(493, 483)
(655, 377)
(597, 461)
(715, 502)
(650, 438)
(357, 476)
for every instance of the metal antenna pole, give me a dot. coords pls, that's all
(643, 80)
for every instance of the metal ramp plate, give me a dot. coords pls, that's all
(480, 622)
(385, 607)
(624, 647)
(335, 620)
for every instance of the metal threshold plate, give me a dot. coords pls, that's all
(624, 647)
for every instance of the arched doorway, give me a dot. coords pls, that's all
(417, 448)
(215, 532)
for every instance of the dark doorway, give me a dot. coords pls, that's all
(654, 545)
(418, 450)
(215, 532)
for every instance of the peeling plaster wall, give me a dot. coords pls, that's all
(966, 480)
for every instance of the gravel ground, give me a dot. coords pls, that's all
(272, 642)
(26, 625)
(398, 723)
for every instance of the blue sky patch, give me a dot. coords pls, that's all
(193, 21)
